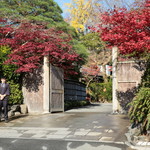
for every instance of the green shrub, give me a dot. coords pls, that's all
(139, 112)
(16, 96)
(74, 103)
(146, 76)
(101, 91)
(13, 78)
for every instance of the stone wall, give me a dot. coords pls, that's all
(129, 75)
(33, 90)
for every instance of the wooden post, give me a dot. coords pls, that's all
(50, 88)
(46, 86)
(114, 76)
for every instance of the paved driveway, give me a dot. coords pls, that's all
(92, 123)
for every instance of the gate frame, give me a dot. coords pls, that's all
(47, 87)
(53, 91)
(115, 101)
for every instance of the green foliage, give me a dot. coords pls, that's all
(101, 91)
(13, 79)
(7, 70)
(146, 76)
(140, 109)
(4, 51)
(92, 42)
(36, 11)
(80, 49)
(32, 10)
(74, 103)
(67, 29)
(139, 112)
(41, 11)
(16, 96)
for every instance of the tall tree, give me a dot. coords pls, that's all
(45, 12)
(127, 29)
(97, 51)
(81, 12)
(91, 70)
(35, 10)
(84, 13)
(30, 42)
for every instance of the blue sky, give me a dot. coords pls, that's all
(61, 3)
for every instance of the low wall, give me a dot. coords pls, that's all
(129, 75)
(74, 90)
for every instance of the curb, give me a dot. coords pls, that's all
(140, 145)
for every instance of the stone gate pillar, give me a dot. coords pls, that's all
(46, 85)
(114, 77)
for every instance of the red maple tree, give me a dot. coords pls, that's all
(129, 30)
(30, 43)
(91, 70)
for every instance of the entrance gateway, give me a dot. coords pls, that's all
(126, 78)
(43, 89)
(53, 96)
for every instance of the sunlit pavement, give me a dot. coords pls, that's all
(91, 124)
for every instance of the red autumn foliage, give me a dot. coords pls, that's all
(30, 43)
(127, 29)
(93, 70)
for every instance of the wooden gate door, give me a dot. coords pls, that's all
(56, 89)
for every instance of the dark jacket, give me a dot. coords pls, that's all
(5, 90)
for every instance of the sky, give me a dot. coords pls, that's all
(61, 3)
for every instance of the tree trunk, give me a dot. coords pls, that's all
(89, 82)
(104, 74)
